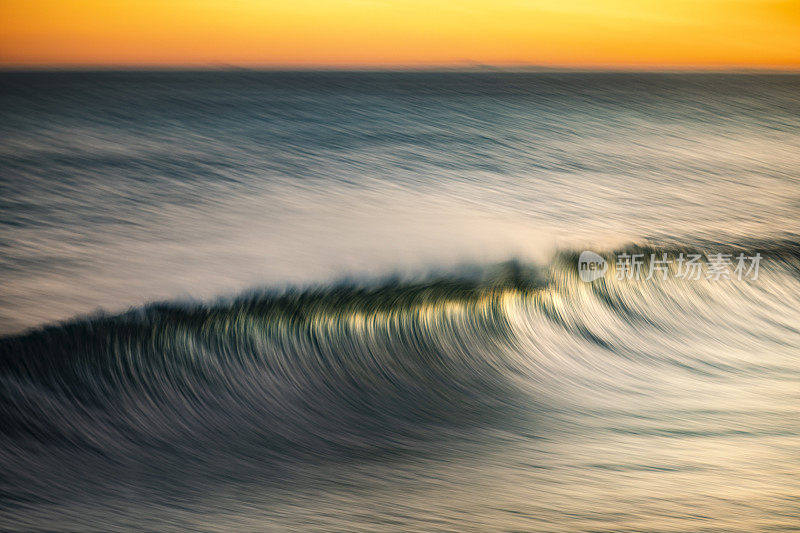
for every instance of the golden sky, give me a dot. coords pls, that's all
(402, 33)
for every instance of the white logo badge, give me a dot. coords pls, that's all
(591, 266)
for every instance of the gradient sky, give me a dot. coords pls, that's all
(401, 33)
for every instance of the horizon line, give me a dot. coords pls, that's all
(443, 68)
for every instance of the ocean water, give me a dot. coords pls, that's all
(321, 301)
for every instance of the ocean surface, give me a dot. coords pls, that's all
(318, 301)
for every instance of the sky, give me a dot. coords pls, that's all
(402, 33)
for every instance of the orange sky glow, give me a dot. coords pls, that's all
(402, 33)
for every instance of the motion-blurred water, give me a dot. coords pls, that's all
(371, 316)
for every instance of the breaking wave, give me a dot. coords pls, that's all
(362, 368)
